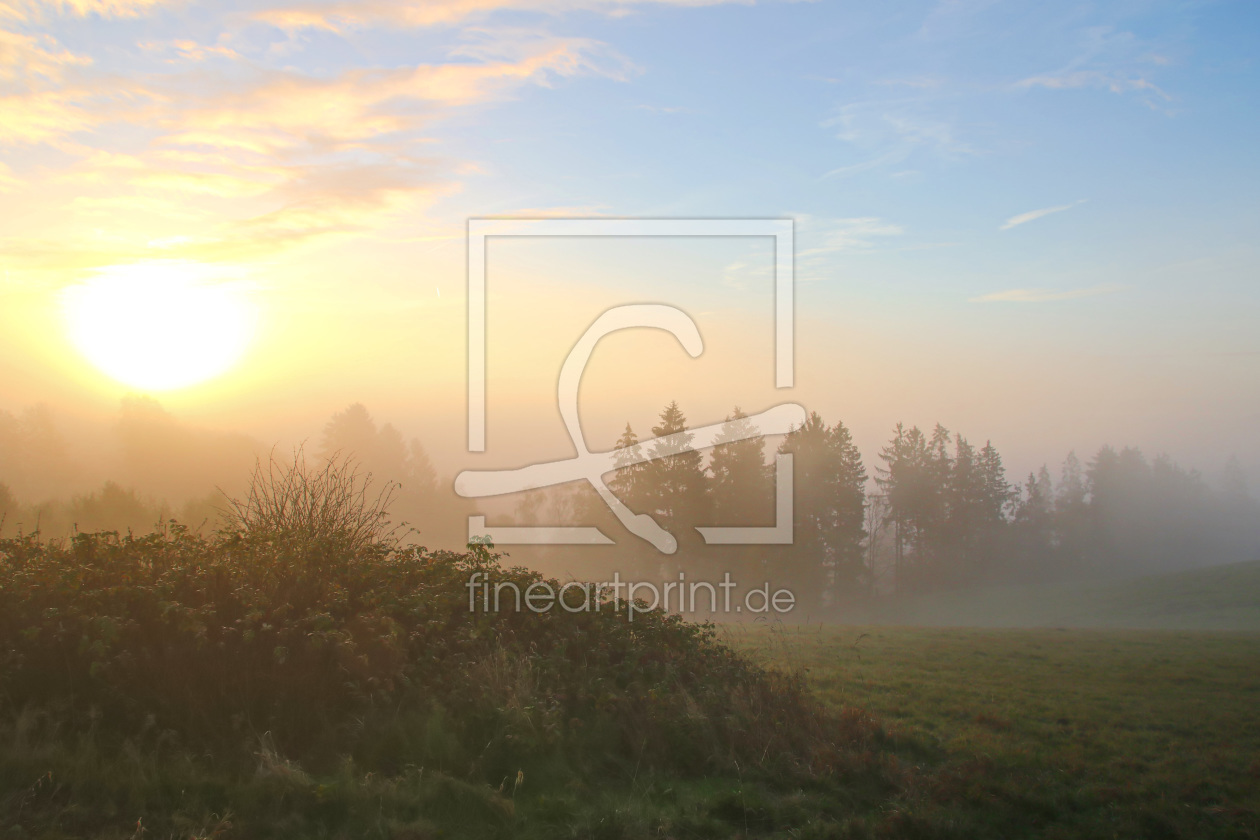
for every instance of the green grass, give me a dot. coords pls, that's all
(268, 684)
(1052, 733)
(1214, 598)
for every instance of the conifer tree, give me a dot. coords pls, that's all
(826, 561)
(676, 487)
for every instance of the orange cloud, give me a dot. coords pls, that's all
(28, 56)
(185, 50)
(289, 111)
(262, 160)
(7, 181)
(41, 117)
(340, 16)
(35, 9)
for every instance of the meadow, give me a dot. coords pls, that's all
(302, 674)
(1052, 732)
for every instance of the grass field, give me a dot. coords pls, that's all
(293, 684)
(1051, 733)
(1213, 598)
(985, 734)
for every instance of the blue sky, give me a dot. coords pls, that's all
(1034, 222)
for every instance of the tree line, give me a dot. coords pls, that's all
(933, 511)
(930, 511)
(146, 467)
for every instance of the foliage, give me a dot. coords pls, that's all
(742, 483)
(828, 510)
(677, 484)
(301, 642)
(219, 637)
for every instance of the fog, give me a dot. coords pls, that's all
(953, 449)
(929, 510)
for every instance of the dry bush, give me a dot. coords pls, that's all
(333, 506)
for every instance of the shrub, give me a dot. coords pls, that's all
(330, 508)
(305, 628)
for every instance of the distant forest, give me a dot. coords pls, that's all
(931, 511)
(147, 468)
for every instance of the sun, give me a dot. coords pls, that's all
(159, 326)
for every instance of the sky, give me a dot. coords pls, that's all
(1033, 223)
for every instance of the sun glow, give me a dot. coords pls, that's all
(159, 326)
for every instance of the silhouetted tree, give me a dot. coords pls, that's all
(742, 490)
(114, 508)
(34, 457)
(742, 483)
(906, 482)
(676, 487)
(1034, 528)
(630, 481)
(385, 455)
(826, 560)
(173, 460)
(1072, 526)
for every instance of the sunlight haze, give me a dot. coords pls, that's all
(256, 214)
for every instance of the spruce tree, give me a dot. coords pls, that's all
(676, 488)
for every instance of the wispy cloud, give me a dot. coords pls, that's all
(895, 156)
(1045, 295)
(47, 116)
(270, 158)
(891, 130)
(882, 121)
(288, 110)
(1118, 62)
(36, 9)
(1032, 215)
(28, 56)
(183, 49)
(820, 241)
(742, 274)
(1093, 78)
(831, 236)
(342, 16)
(575, 211)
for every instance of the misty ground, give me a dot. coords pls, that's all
(1216, 598)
